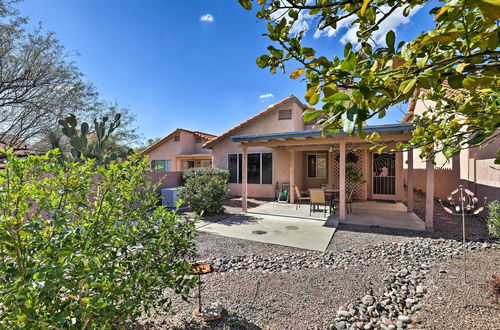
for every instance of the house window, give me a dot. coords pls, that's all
(177, 138)
(259, 168)
(198, 139)
(285, 114)
(316, 166)
(188, 164)
(161, 165)
(206, 163)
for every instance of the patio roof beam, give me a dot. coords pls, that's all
(386, 138)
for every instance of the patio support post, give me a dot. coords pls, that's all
(292, 176)
(330, 169)
(399, 177)
(342, 196)
(410, 180)
(244, 206)
(429, 196)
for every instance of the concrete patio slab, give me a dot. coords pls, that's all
(364, 213)
(299, 233)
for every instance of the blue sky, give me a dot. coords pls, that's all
(176, 70)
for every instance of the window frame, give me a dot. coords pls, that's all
(166, 168)
(239, 180)
(198, 139)
(177, 138)
(316, 164)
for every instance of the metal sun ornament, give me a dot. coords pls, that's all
(463, 202)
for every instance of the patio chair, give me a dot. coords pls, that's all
(348, 202)
(299, 197)
(318, 199)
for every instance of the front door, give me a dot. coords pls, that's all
(384, 176)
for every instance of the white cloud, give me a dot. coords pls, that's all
(207, 18)
(391, 23)
(302, 22)
(263, 97)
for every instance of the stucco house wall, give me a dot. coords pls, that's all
(474, 168)
(281, 167)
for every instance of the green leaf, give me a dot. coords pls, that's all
(263, 61)
(247, 4)
(364, 6)
(390, 39)
(455, 81)
(448, 152)
(407, 85)
(312, 95)
(349, 118)
(310, 114)
(337, 97)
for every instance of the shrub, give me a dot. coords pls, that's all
(82, 246)
(205, 189)
(493, 220)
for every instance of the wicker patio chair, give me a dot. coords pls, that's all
(318, 199)
(299, 198)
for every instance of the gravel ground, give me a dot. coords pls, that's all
(445, 304)
(328, 290)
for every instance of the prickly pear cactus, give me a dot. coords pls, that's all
(78, 139)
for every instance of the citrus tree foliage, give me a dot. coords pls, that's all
(84, 246)
(204, 189)
(461, 51)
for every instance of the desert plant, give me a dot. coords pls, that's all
(493, 220)
(101, 137)
(205, 189)
(84, 246)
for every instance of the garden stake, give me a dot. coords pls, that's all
(200, 269)
(465, 206)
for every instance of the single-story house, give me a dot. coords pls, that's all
(179, 150)
(276, 146)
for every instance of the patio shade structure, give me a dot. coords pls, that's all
(314, 140)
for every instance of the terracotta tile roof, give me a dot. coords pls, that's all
(204, 136)
(269, 109)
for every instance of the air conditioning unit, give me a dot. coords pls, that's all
(169, 197)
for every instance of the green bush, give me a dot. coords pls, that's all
(82, 246)
(493, 220)
(205, 189)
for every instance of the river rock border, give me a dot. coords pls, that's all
(399, 301)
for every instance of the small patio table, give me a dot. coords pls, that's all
(332, 192)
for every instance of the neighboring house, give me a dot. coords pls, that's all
(276, 147)
(180, 150)
(474, 168)
(20, 152)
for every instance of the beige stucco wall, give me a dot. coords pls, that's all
(281, 166)
(473, 168)
(169, 149)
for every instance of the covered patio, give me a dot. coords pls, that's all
(377, 202)
(364, 213)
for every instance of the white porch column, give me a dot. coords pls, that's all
(292, 176)
(429, 196)
(342, 210)
(244, 206)
(365, 159)
(410, 180)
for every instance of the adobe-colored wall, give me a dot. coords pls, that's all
(267, 124)
(169, 149)
(474, 169)
(166, 179)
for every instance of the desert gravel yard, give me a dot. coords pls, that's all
(369, 278)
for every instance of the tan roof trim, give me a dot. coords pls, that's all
(155, 145)
(269, 109)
